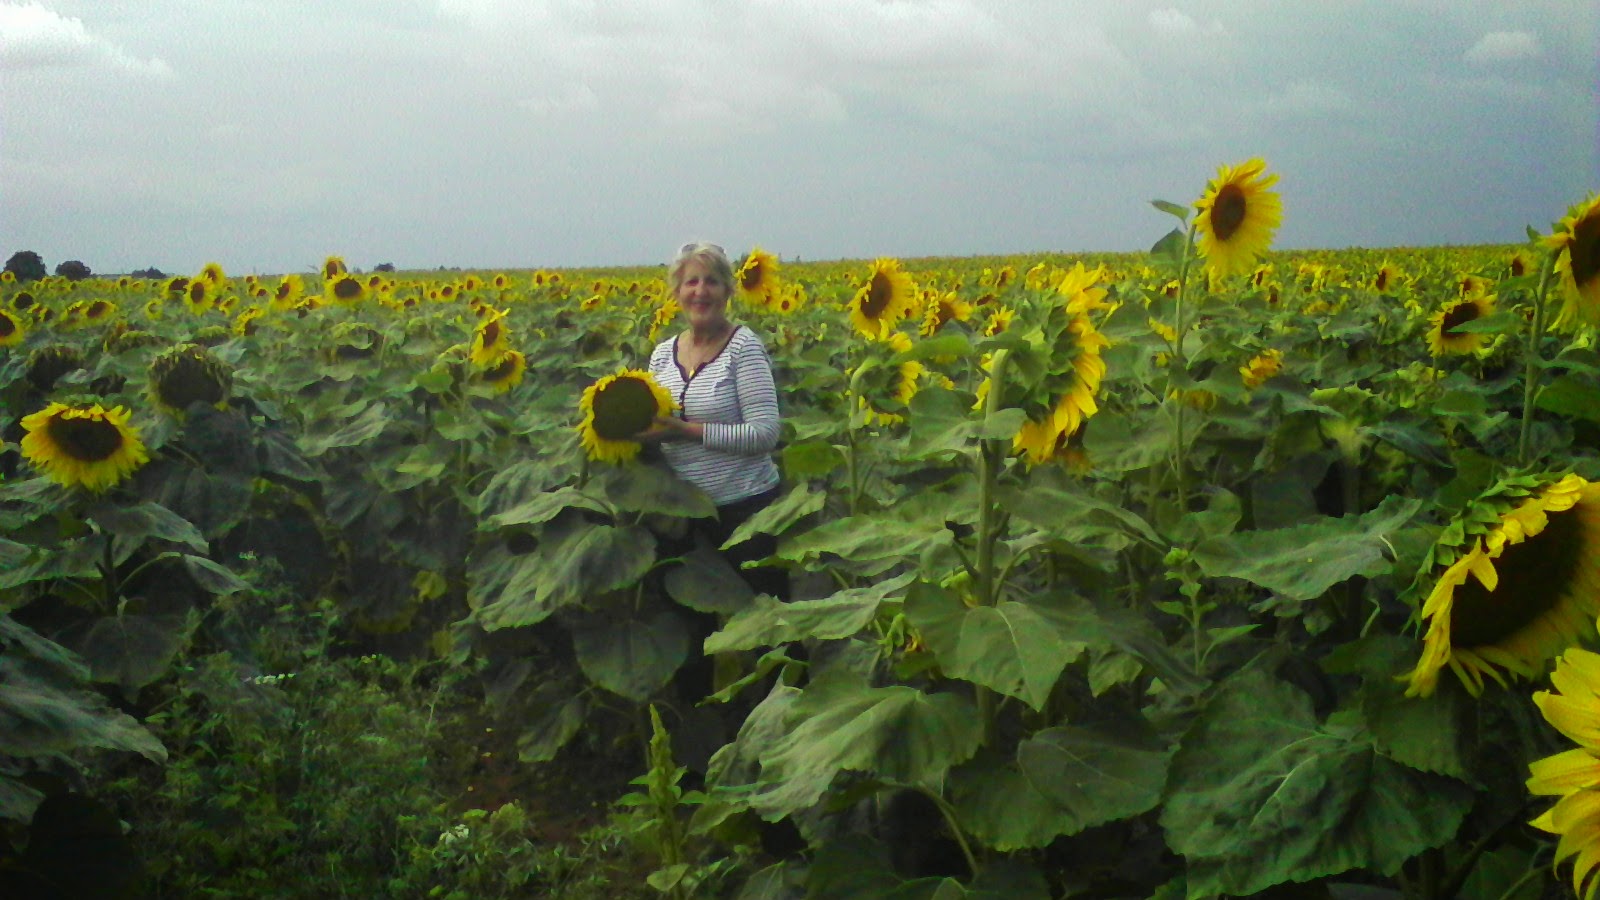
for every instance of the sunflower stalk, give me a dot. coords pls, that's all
(1180, 364)
(1530, 376)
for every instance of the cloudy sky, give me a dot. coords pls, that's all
(267, 134)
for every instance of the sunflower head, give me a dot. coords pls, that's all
(491, 339)
(506, 374)
(1510, 583)
(757, 279)
(11, 330)
(333, 267)
(188, 374)
(617, 407)
(119, 340)
(942, 309)
(886, 297)
(48, 363)
(86, 446)
(212, 273)
(1261, 368)
(1238, 214)
(1442, 338)
(288, 292)
(198, 296)
(22, 301)
(1576, 242)
(346, 289)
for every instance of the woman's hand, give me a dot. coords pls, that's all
(669, 429)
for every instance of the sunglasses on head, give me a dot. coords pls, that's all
(693, 245)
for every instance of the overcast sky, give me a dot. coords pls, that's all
(267, 134)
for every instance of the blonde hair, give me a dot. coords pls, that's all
(711, 256)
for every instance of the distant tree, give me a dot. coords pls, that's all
(26, 265)
(383, 267)
(152, 273)
(73, 270)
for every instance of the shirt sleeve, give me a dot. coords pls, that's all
(757, 432)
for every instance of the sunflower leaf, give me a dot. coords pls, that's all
(897, 733)
(1260, 794)
(777, 517)
(575, 560)
(1181, 213)
(1303, 561)
(631, 657)
(541, 508)
(1098, 773)
(867, 545)
(706, 582)
(1009, 648)
(133, 525)
(213, 577)
(769, 623)
(1503, 322)
(651, 489)
(1573, 396)
(352, 433)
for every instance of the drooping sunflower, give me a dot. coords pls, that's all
(490, 340)
(505, 374)
(757, 279)
(999, 321)
(1576, 240)
(11, 330)
(99, 310)
(333, 267)
(886, 390)
(941, 309)
(83, 445)
(1260, 368)
(1069, 390)
(1442, 341)
(212, 274)
(346, 289)
(1237, 217)
(1573, 775)
(1513, 581)
(1520, 264)
(188, 374)
(48, 363)
(617, 407)
(884, 299)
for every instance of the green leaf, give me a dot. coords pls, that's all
(542, 507)
(652, 489)
(1460, 403)
(574, 561)
(213, 577)
(1573, 396)
(132, 651)
(1502, 322)
(1126, 630)
(1169, 250)
(631, 657)
(1259, 794)
(1098, 773)
(545, 735)
(944, 345)
(803, 460)
(778, 516)
(133, 525)
(1181, 213)
(1002, 424)
(941, 422)
(1009, 647)
(1064, 511)
(41, 714)
(897, 733)
(868, 545)
(1303, 561)
(363, 429)
(518, 483)
(1001, 807)
(706, 582)
(769, 623)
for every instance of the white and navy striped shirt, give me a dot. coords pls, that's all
(734, 396)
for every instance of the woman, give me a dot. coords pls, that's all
(721, 440)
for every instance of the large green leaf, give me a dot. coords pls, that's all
(518, 483)
(1008, 647)
(39, 716)
(133, 650)
(1098, 773)
(131, 526)
(1113, 627)
(652, 489)
(1050, 503)
(776, 517)
(541, 507)
(346, 433)
(1260, 794)
(897, 733)
(769, 622)
(867, 545)
(706, 582)
(629, 656)
(575, 560)
(1302, 562)
(997, 804)
(941, 422)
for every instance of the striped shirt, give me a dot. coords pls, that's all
(735, 397)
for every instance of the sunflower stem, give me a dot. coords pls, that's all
(1180, 364)
(1530, 375)
(989, 459)
(949, 813)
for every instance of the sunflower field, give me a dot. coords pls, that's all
(1210, 571)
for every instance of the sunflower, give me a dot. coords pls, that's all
(1576, 241)
(899, 382)
(1442, 339)
(491, 340)
(22, 301)
(662, 317)
(789, 299)
(1238, 215)
(1519, 584)
(1260, 368)
(1386, 279)
(505, 374)
(99, 310)
(999, 321)
(188, 374)
(1164, 331)
(197, 296)
(211, 273)
(333, 267)
(1572, 775)
(757, 279)
(83, 445)
(245, 324)
(1521, 264)
(941, 310)
(346, 289)
(1071, 390)
(885, 298)
(11, 330)
(48, 363)
(288, 292)
(616, 408)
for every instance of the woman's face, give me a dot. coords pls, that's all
(703, 299)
